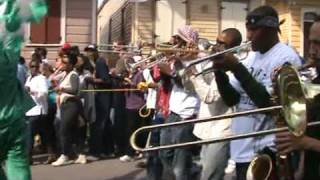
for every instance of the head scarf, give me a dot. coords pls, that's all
(188, 34)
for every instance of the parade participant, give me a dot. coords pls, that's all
(15, 102)
(310, 143)
(250, 84)
(214, 157)
(134, 102)
(183, 105)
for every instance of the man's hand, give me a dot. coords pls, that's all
(113, 71)
(89, 80)
(226, 62)
(142, 86)
(58, 89)
(286, 142)
(165, 68)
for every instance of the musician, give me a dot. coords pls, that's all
(182, 105)
(134, 102)
(310, 143)
(214, 157)
(249, 86)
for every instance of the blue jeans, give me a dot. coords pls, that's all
(154, 165)
(214, 159)
(177, 160)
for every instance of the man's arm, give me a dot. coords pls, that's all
(102, 72)
(255, 90)
(227, 92)
(286, 142)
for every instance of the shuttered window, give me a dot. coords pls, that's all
(48, 31)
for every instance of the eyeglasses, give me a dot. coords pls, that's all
(33, 66)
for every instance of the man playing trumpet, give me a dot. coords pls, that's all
(214, 157)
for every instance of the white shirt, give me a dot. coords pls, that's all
(261, 66)
(211, 105)
(39, 87)
(152, 93)
(185, 104)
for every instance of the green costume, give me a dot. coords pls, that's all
(14, 101)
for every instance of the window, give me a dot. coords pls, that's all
(308, 19)
(48, 31)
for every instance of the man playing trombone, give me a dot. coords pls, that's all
(250, 86)
(214, 157)
(182, 105)
(286, 142)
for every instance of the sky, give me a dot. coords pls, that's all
(99, 2)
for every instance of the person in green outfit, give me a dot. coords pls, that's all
(14, 101)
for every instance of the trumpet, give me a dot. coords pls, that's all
(120, 46)
(238, 50)
(292, 95)
(159, 58)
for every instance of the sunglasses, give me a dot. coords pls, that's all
(33, 66)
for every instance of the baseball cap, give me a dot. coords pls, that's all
(91, 47)
(66, 46)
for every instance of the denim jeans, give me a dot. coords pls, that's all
(177, 160)
(154, 165)
(214, 159)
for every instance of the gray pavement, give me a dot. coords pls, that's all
(111, 169)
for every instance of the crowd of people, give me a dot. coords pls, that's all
(86, 105)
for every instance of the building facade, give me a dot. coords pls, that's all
(72, 21)
(155, 21)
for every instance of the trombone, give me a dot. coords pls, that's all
(238, 50)
(292, 95)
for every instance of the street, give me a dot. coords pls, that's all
(111, 169)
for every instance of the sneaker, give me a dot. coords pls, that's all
(231, 167)
(81, 159)
(140, 156)
(62, 160)
(125, 158)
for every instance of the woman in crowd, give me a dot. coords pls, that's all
(69, 103)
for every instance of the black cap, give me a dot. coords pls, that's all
(91, 47)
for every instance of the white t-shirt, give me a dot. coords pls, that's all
(39, 86)
(261, 66)
(152, 93)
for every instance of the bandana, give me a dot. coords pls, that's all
(262, 21)
(188, 34)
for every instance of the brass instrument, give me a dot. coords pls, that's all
(293, 95)
(158, 56)
(260, 168)
(240, 51)
(121, 46)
